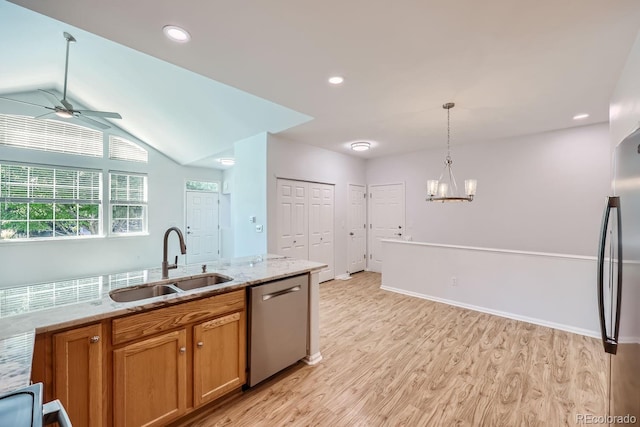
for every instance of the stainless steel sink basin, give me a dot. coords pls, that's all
(142, 292)
(200, 282)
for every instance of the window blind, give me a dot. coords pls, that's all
(128, 202)
(121, 149)
(49, 202)
(49, 135)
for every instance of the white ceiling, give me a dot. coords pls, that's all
(512, 67)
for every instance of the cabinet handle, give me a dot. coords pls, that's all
(200, 344)
(94, 339)
(183, 349)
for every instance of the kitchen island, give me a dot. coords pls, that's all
(78, 302)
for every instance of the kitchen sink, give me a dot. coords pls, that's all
(142, 292)
(200, 282)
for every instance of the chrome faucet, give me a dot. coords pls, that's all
(183, 249)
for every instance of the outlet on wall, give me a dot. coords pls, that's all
(454, 281)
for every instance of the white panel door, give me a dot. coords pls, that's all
(357, 223)
(293, 219)
(202, 227)
(321, 224)
(386, 210)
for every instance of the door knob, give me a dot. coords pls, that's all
(351, 234)
(200, 344)
(183, 349)
(94, 339)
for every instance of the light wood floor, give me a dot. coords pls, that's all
(393, 360)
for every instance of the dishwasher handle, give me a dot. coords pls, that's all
(280, 293)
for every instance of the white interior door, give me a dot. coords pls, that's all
(202, 227)
(321, 216)
(293, 218)
(357, 229)
(386, 210)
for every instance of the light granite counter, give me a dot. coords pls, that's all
(28, 310)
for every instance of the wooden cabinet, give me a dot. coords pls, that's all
(78, 357)
(219, 357)
(150, 380)
(147, 368)
(169, 361)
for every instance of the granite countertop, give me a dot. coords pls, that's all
(28, 310)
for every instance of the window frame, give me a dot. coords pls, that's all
(53, 201)
(128, 203)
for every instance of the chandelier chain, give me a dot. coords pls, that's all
(448, 135)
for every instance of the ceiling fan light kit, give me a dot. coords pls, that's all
(445, 188)
(62, 107)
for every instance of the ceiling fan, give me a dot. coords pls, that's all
(62, 107)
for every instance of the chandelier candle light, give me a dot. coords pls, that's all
(445, 189)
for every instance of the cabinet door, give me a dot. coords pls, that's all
(78, 374)
(219, 357)
(150, 380)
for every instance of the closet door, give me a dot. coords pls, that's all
(321, 240)
(293, 219)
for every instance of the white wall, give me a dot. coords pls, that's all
(549, 290)
(543, 192)
(303, 162)
(43, 261)
(250, 195)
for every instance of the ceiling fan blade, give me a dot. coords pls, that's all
(25, 102)
(92, 122)
(104, 114)
(51, 97)
(44, 115)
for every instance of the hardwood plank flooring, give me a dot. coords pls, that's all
(394, 360)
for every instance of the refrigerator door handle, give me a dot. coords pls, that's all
(610, 343)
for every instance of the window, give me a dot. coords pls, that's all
(128, 203)
(49, 135)
(121, 149)
(202, 186)
(48, 202)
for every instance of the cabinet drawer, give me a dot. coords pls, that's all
(151, 322)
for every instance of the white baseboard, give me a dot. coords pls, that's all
(313, 359)
(567, 328)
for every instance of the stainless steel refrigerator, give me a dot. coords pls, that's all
(618, 282)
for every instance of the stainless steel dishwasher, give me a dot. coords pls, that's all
(278, 321)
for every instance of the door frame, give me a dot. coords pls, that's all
(366, 223)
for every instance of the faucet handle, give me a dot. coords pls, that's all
(176, 261)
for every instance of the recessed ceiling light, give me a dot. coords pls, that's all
(227, 161)
(336, 80)
(176, 34)
(580, 116)
(360, 146)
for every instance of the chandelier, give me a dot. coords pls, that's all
(445, 188)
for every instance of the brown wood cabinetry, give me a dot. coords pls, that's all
(147, 368)
(150, 380)
(78, 357)
(219, 357)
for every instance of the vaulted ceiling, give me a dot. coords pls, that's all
(511, 67)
